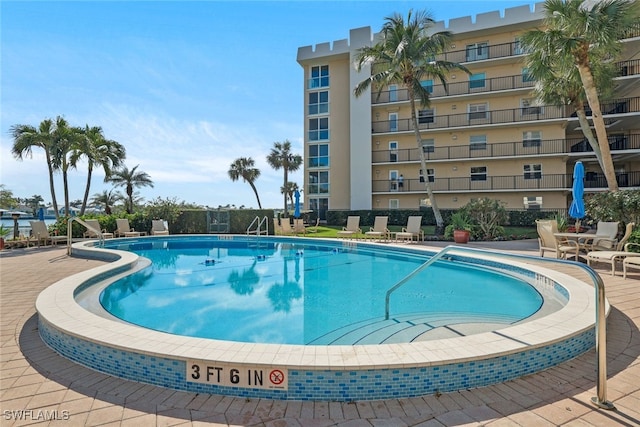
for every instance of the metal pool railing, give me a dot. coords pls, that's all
(87, 226)
(257, 222)
(600, 399)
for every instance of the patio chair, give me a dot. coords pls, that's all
(352, 228)
(158, 227)
(299, 227)
(41, 233)
(277, 228)
(630, 261)
(614, 257)
(285, 224)
(95, 231)
(124, 229)
(379, 228)
(547, 240)
(604, 239)
(414, 227)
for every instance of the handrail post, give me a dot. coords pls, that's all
(600, 399)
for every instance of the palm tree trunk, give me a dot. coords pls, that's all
(255, 190)
(286, 179)
(423, 164)
(54, 202)
(586, 130)
(65, 182)
(598, 123)
(86, 190)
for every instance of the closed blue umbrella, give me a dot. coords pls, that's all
(41, 214)
(296, 212)
(576, 210)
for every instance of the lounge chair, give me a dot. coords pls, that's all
(379, 228)
(158, 227)
(95, 231)
(124, 229)
(630, 261)
(614, 257)
(299, 227)
(412, 230)
(285, 224)
(547, 240)
(41, 233)
(352, 228)
(604, 239)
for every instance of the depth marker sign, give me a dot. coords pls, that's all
(203, 372)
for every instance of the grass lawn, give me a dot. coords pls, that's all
(331, 231)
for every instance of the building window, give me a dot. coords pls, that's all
(431, 175)
(532, 138)
(393, 122)
(477, 81)
(478, 142)
(319, 129)
(479, 173)
(393, 151)
(319, 205)
(319, 102)
(428, 145)
(529, 107)
(426, 116)
(319, 77)
(394, 204)
(526, 76)
(533, 171)
(318, 182)
(477, 111)
(318, 155)
(477, 51)
(532, 202)
(393, 180)
(393, 93)
(428, 85)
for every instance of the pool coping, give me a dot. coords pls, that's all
(56, 305)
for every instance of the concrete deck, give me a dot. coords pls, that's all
(37, 385)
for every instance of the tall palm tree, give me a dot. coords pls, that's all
(27, 137)
(290, 190)
(406, 55)
(591, 31)
(244, 167)
(108, 199)
(129, 179)
(97, 150)
(558, 81)
(281, 157)
(65, 137)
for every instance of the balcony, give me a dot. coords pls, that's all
(496, 84)
(557, 182)
(505, 149)
(493, 117)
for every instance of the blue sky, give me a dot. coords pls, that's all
(186, 87)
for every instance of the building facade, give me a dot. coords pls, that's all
(486, 137)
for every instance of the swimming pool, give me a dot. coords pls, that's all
(310, 293)
(316, 372)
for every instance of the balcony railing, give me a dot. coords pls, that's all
(505, 149)
(625, 68)
(504, 183)
(492, 117)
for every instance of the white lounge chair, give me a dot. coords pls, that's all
(158, 227)
(604, 239)
(547, 240)
(277, 228)
(285, 224)
(379, 229)
(124, 229)
(95, 231)
(41, 233)
(412, 230)
(352, 228)
(614, 257)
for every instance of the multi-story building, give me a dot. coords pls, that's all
(485, 137)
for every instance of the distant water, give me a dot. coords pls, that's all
(24, 227)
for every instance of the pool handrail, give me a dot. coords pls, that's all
(600, 399)
(258, 231)
(87, 226)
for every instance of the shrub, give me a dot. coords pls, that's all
(487, 216)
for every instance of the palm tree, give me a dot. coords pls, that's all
(243, 167)
(97, 150)
(281, 157)
(406, 54)
(558, 81)
(27, 137)
(590, 31)
(289, 190)
(108, 199)
(129, 179)
(65, 138)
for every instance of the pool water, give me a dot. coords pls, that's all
(307, 293)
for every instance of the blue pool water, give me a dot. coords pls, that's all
(306, 292)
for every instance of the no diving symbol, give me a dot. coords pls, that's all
(276, 377)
